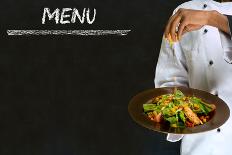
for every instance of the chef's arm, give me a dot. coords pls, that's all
(222, 22)
(219, 20)
(226, 42)
(187, 20)
(171, 69)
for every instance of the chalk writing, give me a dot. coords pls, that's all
(68, 15)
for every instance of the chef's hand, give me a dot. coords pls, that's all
(187, 20)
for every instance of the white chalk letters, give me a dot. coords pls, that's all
(68, 15)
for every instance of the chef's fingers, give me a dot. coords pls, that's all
(174, 26)
(191, 27)
(184, 31)
(183, 26)
(167, 28)
(166, 32)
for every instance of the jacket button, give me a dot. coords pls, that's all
(211, 62)
(205, 6)
(218, 130)
(205, 31)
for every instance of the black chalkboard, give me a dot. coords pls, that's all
(68, 95)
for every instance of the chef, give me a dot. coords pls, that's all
(200, 58)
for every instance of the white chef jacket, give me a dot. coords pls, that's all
(201, 60)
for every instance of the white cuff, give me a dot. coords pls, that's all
(174, 137)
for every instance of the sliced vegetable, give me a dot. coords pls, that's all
(182, 116)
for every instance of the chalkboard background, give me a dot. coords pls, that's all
(68, 95)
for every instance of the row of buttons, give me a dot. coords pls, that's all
(204, 7)
(211, 61)
(205, 31)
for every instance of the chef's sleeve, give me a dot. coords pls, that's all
(171, 69)
(226, 42)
